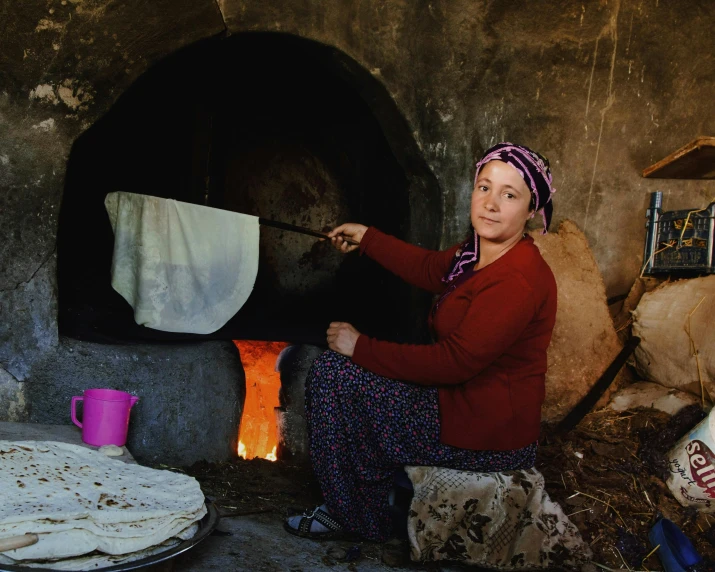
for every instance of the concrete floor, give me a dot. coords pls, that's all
(259, 543)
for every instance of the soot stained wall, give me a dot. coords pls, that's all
(603, 89)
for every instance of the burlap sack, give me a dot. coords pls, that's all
(666, 352)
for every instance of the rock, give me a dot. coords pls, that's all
(584, 342)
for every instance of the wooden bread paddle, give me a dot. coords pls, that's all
(299, 229)
(17, 542)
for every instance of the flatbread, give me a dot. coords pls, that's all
(79, 500)
(93, 561)
(98, 561)
(74, 541)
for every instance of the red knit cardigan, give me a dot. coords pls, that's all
(489, 360)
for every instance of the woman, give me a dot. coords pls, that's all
(470, 401)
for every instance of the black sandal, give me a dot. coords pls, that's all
(335, 530)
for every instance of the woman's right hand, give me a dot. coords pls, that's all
(351, 231)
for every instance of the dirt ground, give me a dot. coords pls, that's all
(608, 475)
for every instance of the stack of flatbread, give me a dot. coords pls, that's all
(84, 504)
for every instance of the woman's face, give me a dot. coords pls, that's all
(500, 203)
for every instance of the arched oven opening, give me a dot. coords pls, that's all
(269, 125)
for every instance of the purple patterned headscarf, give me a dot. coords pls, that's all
(534, 169)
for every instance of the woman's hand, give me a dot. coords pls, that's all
(342, 338)
(349, 230)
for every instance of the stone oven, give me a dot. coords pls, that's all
(264, 124)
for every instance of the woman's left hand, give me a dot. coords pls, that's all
(342, 338)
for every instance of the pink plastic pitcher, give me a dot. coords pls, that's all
(105, 418)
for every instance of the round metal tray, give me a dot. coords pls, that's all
(206, 526)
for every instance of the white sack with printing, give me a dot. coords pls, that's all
(182, 267)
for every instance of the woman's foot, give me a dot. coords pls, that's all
(317, 524)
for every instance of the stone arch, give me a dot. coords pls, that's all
(147, 143)
(219, 116)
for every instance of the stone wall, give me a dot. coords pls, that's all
(603, 89)
(190, 395)
(63, 64)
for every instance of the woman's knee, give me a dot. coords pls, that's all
(337, 374)
(325, 363)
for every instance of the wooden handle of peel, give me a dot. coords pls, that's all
(17, 542)
(299, 229)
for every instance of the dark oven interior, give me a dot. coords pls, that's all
(264, 124)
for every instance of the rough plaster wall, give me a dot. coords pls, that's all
(32, 161)
(603, 88)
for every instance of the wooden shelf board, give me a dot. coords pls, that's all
(694, 161)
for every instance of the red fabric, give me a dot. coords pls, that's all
(489, 360)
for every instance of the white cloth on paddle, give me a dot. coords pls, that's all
(182, 267)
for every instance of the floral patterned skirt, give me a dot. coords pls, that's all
(364, 427)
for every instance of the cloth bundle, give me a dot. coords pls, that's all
(182, 267)
(80, 503)
(494, 520)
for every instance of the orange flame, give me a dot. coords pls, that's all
(258, 435)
